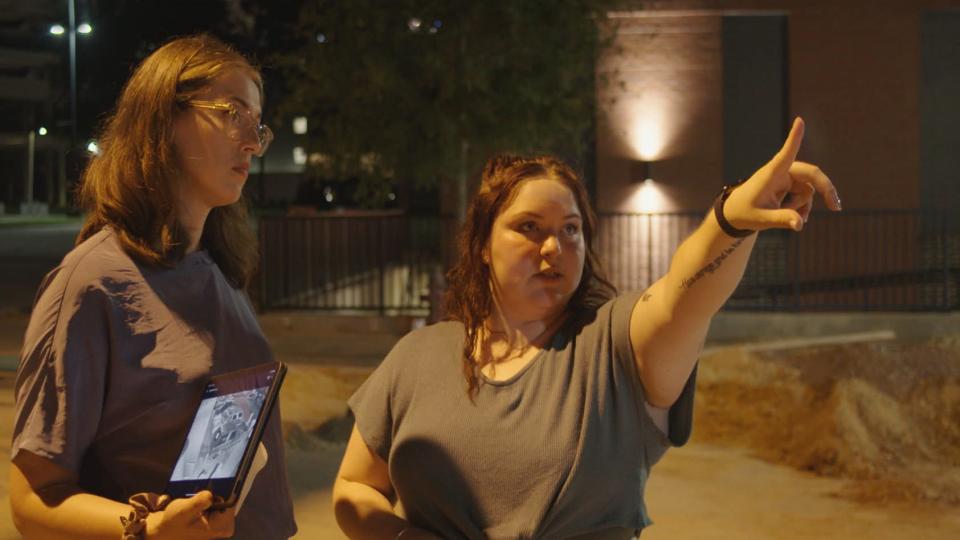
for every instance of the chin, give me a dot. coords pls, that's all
(229, 197)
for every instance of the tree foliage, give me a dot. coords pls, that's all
(424, 91)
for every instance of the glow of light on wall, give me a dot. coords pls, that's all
(654, 96)
(645, 124)
(649, 198)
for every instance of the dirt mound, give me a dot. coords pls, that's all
(886, 415)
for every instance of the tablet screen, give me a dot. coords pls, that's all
(221, 432)
(219, 435)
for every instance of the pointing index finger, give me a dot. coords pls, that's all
(788, 153)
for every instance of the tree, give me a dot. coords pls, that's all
(422, 92)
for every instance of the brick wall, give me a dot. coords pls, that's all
(661, 103)
(854, 75)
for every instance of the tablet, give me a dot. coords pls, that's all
(225, 432)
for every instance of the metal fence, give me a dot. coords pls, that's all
(889, 260)
(382, 262)
(857, 260)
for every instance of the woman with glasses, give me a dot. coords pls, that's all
(148, 305)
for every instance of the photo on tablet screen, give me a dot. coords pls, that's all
(218, 437)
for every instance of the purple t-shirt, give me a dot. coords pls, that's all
(113, 363)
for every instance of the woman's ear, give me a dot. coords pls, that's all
(485, 255)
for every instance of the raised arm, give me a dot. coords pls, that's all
(671, 319)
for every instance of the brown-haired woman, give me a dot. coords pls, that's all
(148, 305)
(538, 411)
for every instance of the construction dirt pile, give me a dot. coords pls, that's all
(885, 415)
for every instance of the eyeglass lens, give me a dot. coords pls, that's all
(243, 122)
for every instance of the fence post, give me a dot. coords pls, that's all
(285, 264)
(309, 295)
(795, 246)
(261, 232)
(380, 265)
(650, 272)
(944, 256)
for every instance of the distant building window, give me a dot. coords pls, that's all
(300, 125)
(299, 155)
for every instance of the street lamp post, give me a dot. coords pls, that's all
(72, 30)
(72, 22)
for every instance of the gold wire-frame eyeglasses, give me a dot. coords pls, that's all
(240, 121)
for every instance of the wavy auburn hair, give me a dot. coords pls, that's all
(469, 296)
(131, 186)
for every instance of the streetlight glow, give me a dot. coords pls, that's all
(84, 28)
(57, 29)
(93, 148)
(42, 131)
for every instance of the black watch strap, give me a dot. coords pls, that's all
(729, 229)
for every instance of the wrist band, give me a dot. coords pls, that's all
(729, 229)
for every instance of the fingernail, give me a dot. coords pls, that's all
(836, 199)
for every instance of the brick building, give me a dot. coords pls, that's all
(696, 94)
(704, 91)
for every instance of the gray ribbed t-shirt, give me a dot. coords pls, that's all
(113, 363)
(562, 448)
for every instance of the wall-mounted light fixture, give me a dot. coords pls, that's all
(646, 194)
(640, 170)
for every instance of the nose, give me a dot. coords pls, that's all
(250, 142)
(550, 247)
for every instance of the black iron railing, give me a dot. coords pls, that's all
(858, 260)
(382, 262)
(891, 260)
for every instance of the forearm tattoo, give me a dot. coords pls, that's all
(712, 266)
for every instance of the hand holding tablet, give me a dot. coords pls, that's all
(190, 518)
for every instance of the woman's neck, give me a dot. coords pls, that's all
(509, 337)
(192, 218)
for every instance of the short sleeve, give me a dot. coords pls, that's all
(61, 376)
(680, 416)
(372, 407)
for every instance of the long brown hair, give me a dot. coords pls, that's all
(131, 185)
(469, 298)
